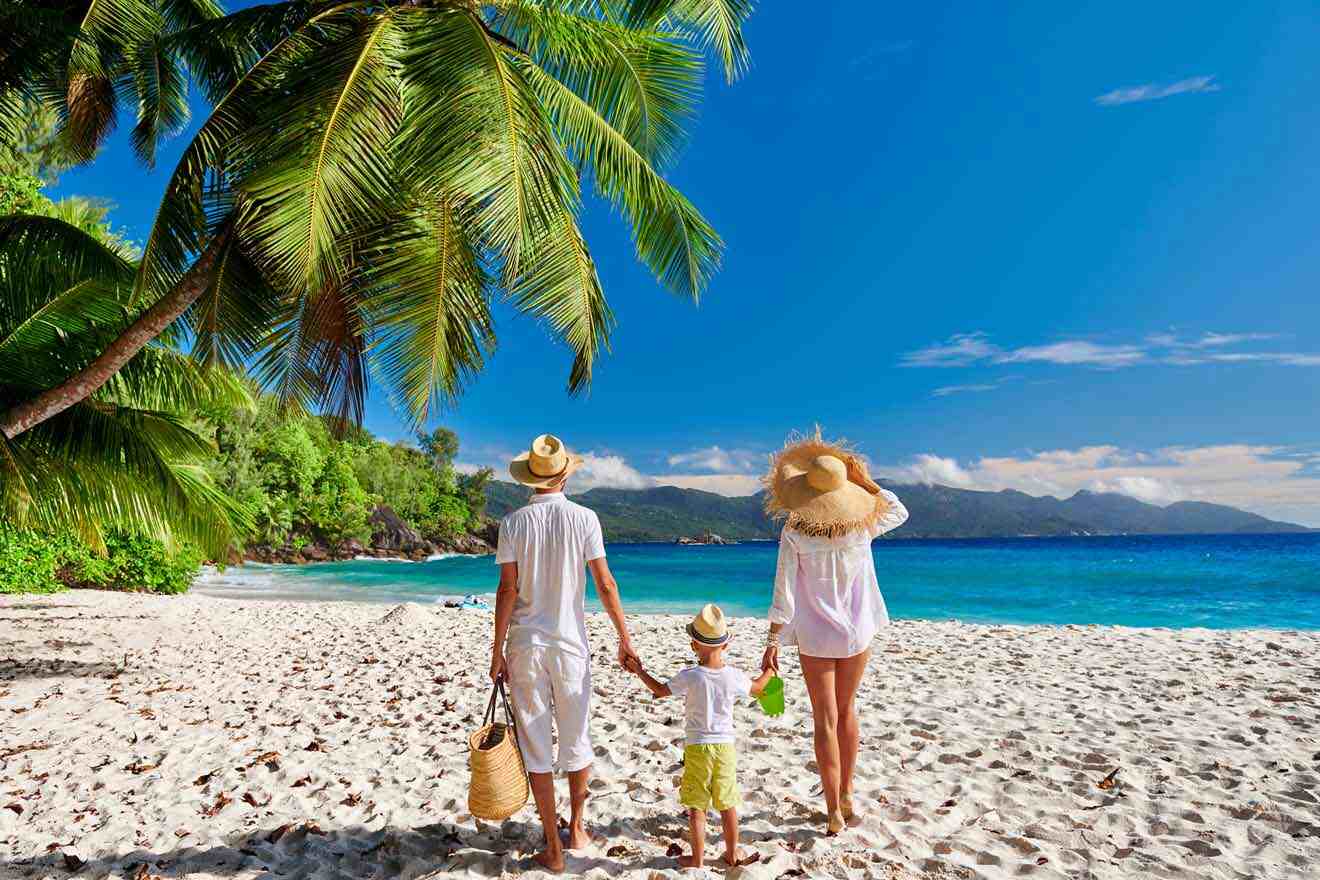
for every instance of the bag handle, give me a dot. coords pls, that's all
(498, 691)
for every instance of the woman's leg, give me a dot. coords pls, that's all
(819, 675)
(847, 677)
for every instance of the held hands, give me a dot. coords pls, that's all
(627, 655)
(770, 659)
(633, 664)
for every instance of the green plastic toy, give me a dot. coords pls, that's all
(772, 698)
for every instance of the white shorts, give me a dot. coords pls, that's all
(545, 682)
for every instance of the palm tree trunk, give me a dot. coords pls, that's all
(136, 336)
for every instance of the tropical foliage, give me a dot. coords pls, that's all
(374, 174)
(124, 458)
(303, 484)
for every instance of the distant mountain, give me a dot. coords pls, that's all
(664, 513)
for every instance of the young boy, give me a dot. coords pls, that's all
(710, 762)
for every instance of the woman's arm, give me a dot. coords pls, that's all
(782, 606)
(894, 516)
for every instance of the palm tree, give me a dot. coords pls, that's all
(127, 456)
(374, 172)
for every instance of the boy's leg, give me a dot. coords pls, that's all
(696, 825)
(729, 818)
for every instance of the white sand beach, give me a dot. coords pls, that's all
(146, 737)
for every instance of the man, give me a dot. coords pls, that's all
(540, 643)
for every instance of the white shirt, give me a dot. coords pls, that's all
(552, 539)
(826, 592)
(710, 694)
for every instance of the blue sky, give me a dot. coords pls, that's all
(1043, 246)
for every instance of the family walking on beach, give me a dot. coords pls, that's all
(826, 601)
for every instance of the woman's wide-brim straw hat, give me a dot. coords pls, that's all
(822, 488)
(545, 464)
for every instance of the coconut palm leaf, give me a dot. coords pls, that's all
(643, 82)
(317, 161)
(426, 287)
(162, 93)
(716, 24)
(672, 238)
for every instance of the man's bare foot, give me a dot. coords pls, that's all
(551, 861)
(739, 859)
(689, 861)
(578, 838)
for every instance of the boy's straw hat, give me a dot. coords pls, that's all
(822, 488)
(545, 463)
(708, 627)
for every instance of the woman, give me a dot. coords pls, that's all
(827, 600)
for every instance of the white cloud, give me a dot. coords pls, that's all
(1269, 480)
(1155, 91)
(718, 460)
(933, 469)
(607, 471)
(1076, 352)
(968, 349)
(959, 350)
(946, 390)
(732, 485)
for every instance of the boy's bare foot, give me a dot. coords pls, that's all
(689, 861)
(738, 859)
(551, 861)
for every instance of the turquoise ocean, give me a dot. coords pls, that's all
(1216, 581)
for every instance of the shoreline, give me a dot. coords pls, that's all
(239, 739)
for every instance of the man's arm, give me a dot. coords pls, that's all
(608, 591)
(505, 597)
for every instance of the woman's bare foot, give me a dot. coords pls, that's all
(835, 824)
(552, 861)
(846, 806)
(689, 861)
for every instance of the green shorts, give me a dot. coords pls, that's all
(710, 776)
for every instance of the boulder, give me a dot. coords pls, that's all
(390, 532)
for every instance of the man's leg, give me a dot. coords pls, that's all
(530, 691)
(543, 791)
(572, 689)
(577, 792)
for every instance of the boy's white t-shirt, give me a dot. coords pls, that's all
(710, 694)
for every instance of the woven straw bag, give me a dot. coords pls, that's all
(499, 779)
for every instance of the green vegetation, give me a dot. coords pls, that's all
(303, 486)
(373, 174)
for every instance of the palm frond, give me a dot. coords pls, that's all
(671, 236)
(231, 319)
(161, 90)
(427, 294)
(643, 82)
(316, 165)
(715, 24)
(559, 284)
(473, 129)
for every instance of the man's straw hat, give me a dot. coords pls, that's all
(708, 627)
(822, 488)
(545, 463)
